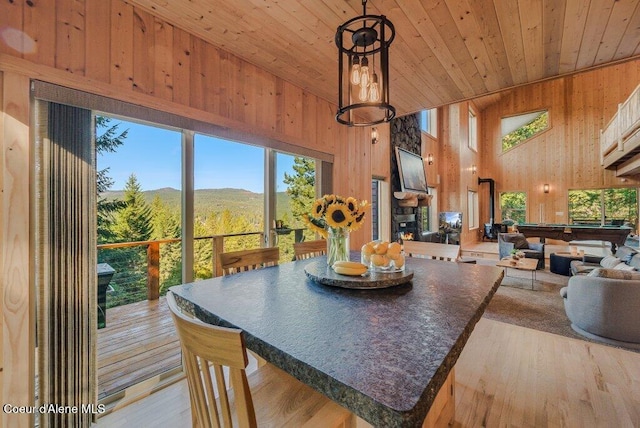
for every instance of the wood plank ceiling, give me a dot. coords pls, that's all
(444, 51)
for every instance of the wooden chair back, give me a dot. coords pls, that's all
(277, 399)
(204, 345)
(308, 249)
(239, 261)
(432, 250)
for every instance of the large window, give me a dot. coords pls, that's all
(513, 206)
(604, 206)
(519, 128)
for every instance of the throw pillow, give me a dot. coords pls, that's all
(610, 262)
(624, 266)
(625, 253)
(614, 274)
(519, 242)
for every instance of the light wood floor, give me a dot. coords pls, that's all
(139, 342)
(506, 376)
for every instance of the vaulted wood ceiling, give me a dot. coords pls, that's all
(444, 51)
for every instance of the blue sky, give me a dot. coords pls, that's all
(154, 156)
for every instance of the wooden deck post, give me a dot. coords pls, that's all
(153, 270)
(218, 247)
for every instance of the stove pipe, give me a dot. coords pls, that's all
(492, 192)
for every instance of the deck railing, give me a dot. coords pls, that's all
(153, 255)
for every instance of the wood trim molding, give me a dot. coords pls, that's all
(205, 122)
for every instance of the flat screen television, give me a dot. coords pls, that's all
(413, 177)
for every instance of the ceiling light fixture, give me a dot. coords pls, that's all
(363, 70)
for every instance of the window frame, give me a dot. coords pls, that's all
(502, 217)
(473, 209)
(429, 122)
(473, 130)
(543, 110)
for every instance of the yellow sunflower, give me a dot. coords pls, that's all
(313, 226)
(317, 210)
(352, 205)
(329, 199)
(338, 215)
(358, 220)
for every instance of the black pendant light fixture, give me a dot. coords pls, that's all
(363, 74)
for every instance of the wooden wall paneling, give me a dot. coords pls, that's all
(265, 100)
(327, 127)
(164, 50)
(182, 54)
(354, 178)
(11, 16)
(39, 26)
(3, 213)
(98, 35)
(247, 93)
(228, 98)
(309, 112)
(567, 155)
(229, 95)
(197, 75)
(380, 153)
(121, 45)
(293, 110)
(144, 55)
(69, 36)
(18, 300)
(215, 70)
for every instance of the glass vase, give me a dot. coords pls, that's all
(337, 245)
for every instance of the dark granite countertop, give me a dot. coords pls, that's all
(383, 354)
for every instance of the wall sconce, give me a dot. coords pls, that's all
(474, 169)
(430, 158)
(545, 188)
(374, 135)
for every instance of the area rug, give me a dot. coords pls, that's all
(540, 309)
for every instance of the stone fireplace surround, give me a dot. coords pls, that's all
(406, 134)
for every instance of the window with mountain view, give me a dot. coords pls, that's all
(519, 128)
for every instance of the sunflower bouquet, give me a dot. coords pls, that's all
(333, 217)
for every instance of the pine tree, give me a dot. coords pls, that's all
(301, 186)
(107, 141)
(133, 222)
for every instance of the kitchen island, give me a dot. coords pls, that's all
(384, 354)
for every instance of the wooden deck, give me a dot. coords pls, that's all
(139, 342)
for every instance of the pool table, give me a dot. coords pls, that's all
(617, 235)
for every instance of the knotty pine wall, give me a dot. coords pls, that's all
(112, 49)
(567, 155)
(454, 163)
